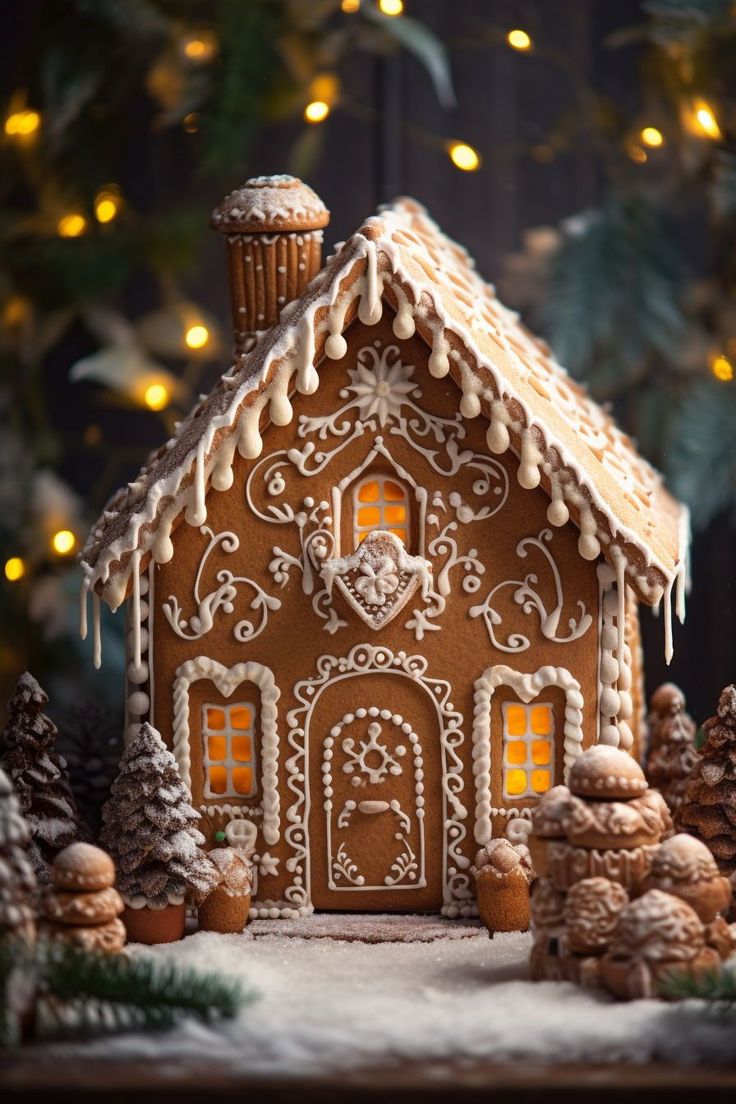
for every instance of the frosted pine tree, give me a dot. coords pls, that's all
(38, 776)
(672, 754)
(149, 828)
(709, 809)
(18, 887)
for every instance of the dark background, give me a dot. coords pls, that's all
(504, 101)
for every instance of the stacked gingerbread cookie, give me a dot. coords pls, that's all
(675, 925)
(82, 906)
(592, 843)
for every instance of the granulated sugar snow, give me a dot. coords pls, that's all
(323, 1005)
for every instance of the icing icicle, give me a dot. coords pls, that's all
(680, 588)
(96, 631)
(668, 645)
(83, 597)
(196, 512)
(250, 442)
(369, 311)
(528, 472)
(136, 609)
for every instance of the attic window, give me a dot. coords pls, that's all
(229, 750)
(380, 502)
(528, 732)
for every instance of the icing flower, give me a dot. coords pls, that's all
(375, 583)
(381, 390)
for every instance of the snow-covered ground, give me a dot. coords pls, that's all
(324, 1005)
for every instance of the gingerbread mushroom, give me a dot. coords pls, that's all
(656, 936)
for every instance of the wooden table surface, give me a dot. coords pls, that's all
(22, 1080)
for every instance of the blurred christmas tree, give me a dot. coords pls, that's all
(637, 295)
(96, 78)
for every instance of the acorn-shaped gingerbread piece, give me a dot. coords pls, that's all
(502, 873)
(82, 906)
(227, 907)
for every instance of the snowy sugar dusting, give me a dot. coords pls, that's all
(326, 1005)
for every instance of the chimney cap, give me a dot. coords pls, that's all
(268, 204)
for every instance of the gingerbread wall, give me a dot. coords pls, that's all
(508, 591)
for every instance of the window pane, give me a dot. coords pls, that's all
(541, 752)
(394, 514)
(516, 753)
(369, 516)
(540, 781)
(515, 782)
(369, 491)
(393, 492)
(242, 749)
(215, 718)
(243, 780)
(241, 717)
(218, 779)
(217, 747)
(541, 720)
(515, 720)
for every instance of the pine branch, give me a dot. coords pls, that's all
(87, 993)
(717, 987)
(702, 468)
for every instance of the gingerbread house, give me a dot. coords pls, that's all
(382, 585)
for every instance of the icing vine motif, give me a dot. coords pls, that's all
(527, 596)
(221, 598)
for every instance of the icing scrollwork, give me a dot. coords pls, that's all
(530, 600)
(222, 597)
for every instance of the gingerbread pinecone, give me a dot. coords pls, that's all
(672, 754)
(592, 844)
(82, 906)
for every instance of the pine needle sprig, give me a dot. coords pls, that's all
(717, 987)
(91, 993)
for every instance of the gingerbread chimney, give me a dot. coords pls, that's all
(274, 248)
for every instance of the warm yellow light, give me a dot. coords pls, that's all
(156, 396)
(350, 6)
(316, 111)
(636, 153)
(464, 157)
(63, 542)
(71, 226)
(391, 7)
(191, 122)
(106, 207)
(325, 88)
(652, 136)
(722, 368)
(706, 120)
(22, 124)
(199, 47)
(16, 311)
(15, 569)
(197, 336)
(519, 40)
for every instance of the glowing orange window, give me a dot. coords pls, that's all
(528, 732)
(229, 750)
(380, 502)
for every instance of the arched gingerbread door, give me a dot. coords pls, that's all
(376, 837)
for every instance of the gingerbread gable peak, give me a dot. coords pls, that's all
(566, 442)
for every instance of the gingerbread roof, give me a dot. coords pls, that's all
(566, 442)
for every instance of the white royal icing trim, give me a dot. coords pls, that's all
(227, 680)
(526, 687)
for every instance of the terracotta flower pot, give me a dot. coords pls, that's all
(503, 903)
(148, 925)
(224, 912)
